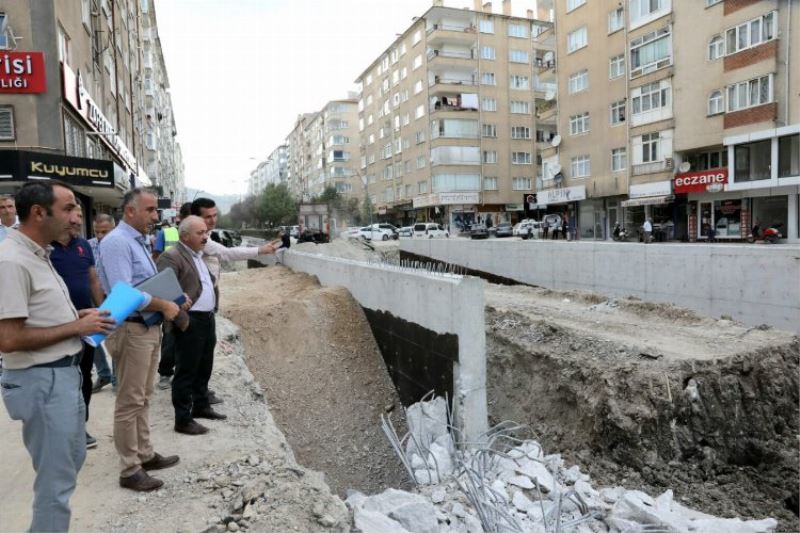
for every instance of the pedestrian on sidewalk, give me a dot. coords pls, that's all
(648, 230)
(73, 260)
(166, 364)
(135, 347)
(102, 226)
(194, 345)
(40, 339)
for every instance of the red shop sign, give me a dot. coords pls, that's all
(22, 72)
(712, 180)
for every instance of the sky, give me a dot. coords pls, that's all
(240, 71)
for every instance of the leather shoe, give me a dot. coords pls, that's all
(159, 461)
(191, 428)
(140, 482)
(208, 413)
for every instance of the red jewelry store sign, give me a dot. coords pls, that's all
(713, 180)
(22, 72)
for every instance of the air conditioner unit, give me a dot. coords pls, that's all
(669, 162)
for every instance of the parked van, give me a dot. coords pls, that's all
(429, 230)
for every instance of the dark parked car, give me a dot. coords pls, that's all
(225, 237)
(504, 229)
(478, 231)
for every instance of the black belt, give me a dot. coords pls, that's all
(202, 313)
(136, 319)
(69, 360)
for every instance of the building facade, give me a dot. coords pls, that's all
(446, 118)
(273, 171)
(75, 109)
(685, 113)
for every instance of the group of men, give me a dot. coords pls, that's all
(52, 282)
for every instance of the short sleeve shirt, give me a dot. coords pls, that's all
(32, 289)
(73, 262)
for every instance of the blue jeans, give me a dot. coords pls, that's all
(101, 365)
(49, 404)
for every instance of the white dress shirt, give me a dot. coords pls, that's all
(214, 252)
(206, 302)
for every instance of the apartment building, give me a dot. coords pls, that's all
(662, 104)
(446, 118)
(299, 163)
(272, 171)
(76, 108)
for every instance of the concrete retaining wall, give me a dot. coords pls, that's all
(755, 284)
(441, 303)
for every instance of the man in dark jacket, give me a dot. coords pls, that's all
(195, 342)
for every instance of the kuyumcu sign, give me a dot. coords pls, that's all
(24, 165)
(79, 98)
(22, 72)
(713, 180)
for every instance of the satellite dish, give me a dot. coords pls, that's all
(685, 166)
(549, 95)
(556, 167)
(556, 140)
(548, 56)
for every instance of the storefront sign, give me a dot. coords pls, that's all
(79, 171)
(514, 207)
(447, 198)
(561, 195)
(656, 188)
(79, 98)
(707, 180)
(22, 72)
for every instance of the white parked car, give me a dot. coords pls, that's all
(370, 233)
(350, 233)
(521, 228)
(430, 230)
(406, 232)
(388, 227)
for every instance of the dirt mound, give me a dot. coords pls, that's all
(356, 249)
(323, 376)
(648, 396)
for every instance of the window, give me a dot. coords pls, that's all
(417, 37)
(788, 156)
(581, 166)
(454, 128)
(716, 47)
(651, 52)
(487, 78)
(520, 132)
(422, 187)
(574, 4)
(520, 107)
(579, 81)
(403, 73)
(488, 130)
(456, 182)
(419, 112)
(518, 56)
(752, 161)
(420, 136)
(751, 33)
(579, 124)
(86, 14)
(489, 157)
(75, 138)
(521, 184)
(619, 159)
(418, 87)
(750, 93)
(421, 161)
(616, 66)
(488, 52)
(518, 30)
(486, 26)
(616, 20)
(618, 112)
(716, 103)
(64, 46)
(577, 39)
(650, 96)
(650, 144)
(708, 160)
(520, 82)
(710, 3)
(489, 183)
(643, 11)
(521, 158)
(488, 104)
(7, 123)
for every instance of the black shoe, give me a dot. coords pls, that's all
(140, 482)
(191, 428)
(159, 461)
(208, 413)
(213, 399)
(99, 384)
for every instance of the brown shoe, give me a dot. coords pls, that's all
(208, 413)
(140, 482)
(191, 428)
(159, 461)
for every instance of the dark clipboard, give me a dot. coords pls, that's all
(163, 285)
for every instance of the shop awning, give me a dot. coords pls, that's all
(650, 200)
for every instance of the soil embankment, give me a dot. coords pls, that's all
(652, 395)
(324, 378)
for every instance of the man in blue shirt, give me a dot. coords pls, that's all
(8, 214)
(134, 346)
(73, 260)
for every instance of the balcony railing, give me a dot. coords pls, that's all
(449, 81)
(652, 168)
(457, 54)
(451, 27)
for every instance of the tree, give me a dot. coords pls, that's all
(277, 207)
(366, 209)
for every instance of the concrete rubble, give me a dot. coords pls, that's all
(507, 484)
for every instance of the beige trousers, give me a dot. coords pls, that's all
(135, 349)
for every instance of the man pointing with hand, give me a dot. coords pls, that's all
(40, 333)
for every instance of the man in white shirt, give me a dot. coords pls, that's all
(8, 215)
(648, 230)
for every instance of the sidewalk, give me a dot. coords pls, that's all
(243, 459)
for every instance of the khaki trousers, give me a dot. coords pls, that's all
(135, 349)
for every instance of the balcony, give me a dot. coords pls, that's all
(440, 84)
(439, 31)
(457, 103)
(452, 56)
(652, 168)
(546, 111)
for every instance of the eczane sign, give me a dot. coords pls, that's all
(705, 180)
(22, 72)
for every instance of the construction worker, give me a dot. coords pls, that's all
(168, 235)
